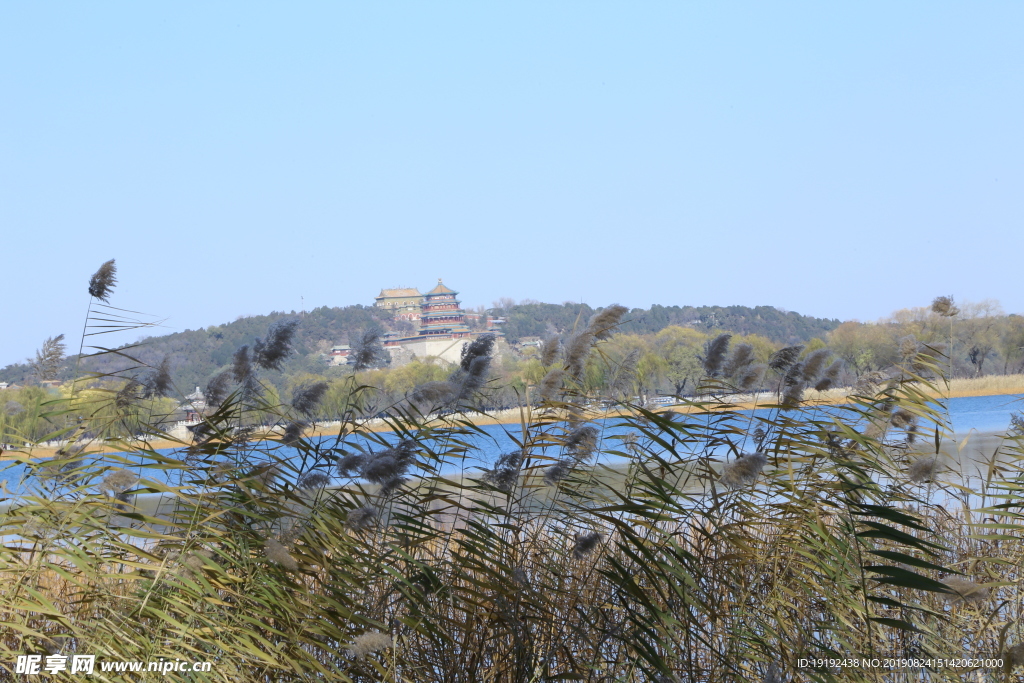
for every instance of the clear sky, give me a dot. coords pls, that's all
(835, 159)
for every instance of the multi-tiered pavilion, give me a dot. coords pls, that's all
(441, 314)
(442, 330)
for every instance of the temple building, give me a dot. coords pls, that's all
(440, 314)
(441, 323)
(339, 355)
(404, 302)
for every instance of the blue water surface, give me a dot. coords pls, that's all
(981, 413)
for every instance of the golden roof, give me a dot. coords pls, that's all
(397, 292)
(441, 289)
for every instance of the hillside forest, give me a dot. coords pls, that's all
(656, 351)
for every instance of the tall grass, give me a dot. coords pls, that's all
(714, 547)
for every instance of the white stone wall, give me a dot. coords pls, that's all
(449, 350)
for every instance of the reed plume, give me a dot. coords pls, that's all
(965, 590)
(550, 385)
(742, 355)
(118, 481)
(944, 306)
(102, 282)
(559, 471)
(714, 354)
(57, 644)
(869, 381)
(390, 486)
(924, 469)
(750, 376)
(241, 364)
(912, 433)
(47, 362)
(585, 544)
(473, 377)
(549, 350)
(793, 386)
(477, 349)
(158, 383)
(266, 476)
(362, 518)
(744, 470)
(368, 352)
(313, 480)
(1015, 655)
(505, 472)
(829, 377)
(193, 563)
(383, 467)
(785, 357)
(901, 417)
(390, 463)
(351, 464)
(293, 432)
(577, 348)
(369, 643)
(582, 441)
(278, 554)
(521, 577)
(218, 388)
(271, 352)
(305, 399)
(128, 395)
(908, 347)
(814, 363)
(434, 395)
(602, 324)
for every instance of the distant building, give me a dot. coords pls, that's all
(339, 355)
(404, 302)
(442, 330)
(440, 314)
(194, 405)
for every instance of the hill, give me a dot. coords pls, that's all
(197, 355)
(782, 327)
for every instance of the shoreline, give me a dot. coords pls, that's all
(515, 415)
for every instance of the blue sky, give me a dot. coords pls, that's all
(836, 159)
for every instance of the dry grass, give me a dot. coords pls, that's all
(990, 385)
(675, 566)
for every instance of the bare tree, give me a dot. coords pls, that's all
(504, 304)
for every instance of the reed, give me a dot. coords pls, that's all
(717, 547)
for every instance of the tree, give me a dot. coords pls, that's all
(679, 346)
(683, 366)
(865, 347)
(977, 331)
(503, 305)
(1011, 343)
(49, 358)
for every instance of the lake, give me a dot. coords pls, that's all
(982, 415)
